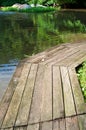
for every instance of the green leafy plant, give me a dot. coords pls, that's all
(82, 78)
(29, 10)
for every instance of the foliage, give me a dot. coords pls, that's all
(29, 10)
(44, 2)
(10, 2)
(82, 78)
(75, 25)
(9, 8)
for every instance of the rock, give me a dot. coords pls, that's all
(37, 5)
(21, 6)
(17, 5)
(24, 6)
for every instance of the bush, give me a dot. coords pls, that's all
(82, 78)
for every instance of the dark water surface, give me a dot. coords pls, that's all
(24, 34)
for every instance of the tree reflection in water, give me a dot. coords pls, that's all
(24, 34)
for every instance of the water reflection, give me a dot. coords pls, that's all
(6, 72)
(24, 34)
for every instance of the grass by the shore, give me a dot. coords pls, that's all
(29, 10)
(82, 78)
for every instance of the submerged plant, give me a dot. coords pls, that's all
(82, 78)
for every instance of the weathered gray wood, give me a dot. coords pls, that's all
(20, 128)
(16, 128)
(58, 107)
(56, 125)
(16, 99)
(33, 127)
(82, 122)
(7, 129)
(43, 55)
(62, 124)
(77, 44)
(72, 123)
(78, 97)
(53, 53)
(68, 60)
(9, 92)
(68, 97)
(35, 111)
(76, 58)
(46, 104)
(78, 61)
(23, 113)
(59, 124)
(55, 57)
(67, 52)
(46, 126)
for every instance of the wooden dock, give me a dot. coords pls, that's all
(44, 93)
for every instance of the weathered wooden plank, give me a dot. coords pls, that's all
(56, 125)
(62, 124)
(20, 128)
(78, 61)
(53, 53)
(68, 97)
(33, 127)
(9, 92)
(46, 105)
(77, 45)
(49, 54)
(59, 124)
(60, 56)
(76, 58)
(72, 123)
(82, 122)
(35, 111)
(82, 46)
(7, 128)
(58, 107)
(68, 60)
(23, 113)
(55, 56)
(43, 55)
(78, 97)
(46, 126)
(17, 128)
(16, 99)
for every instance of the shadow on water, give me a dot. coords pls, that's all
(22, 35)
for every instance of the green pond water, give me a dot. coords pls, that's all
(23, 34)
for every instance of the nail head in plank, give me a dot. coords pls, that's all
(68, 97)
(16, 99)
(58, 107)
